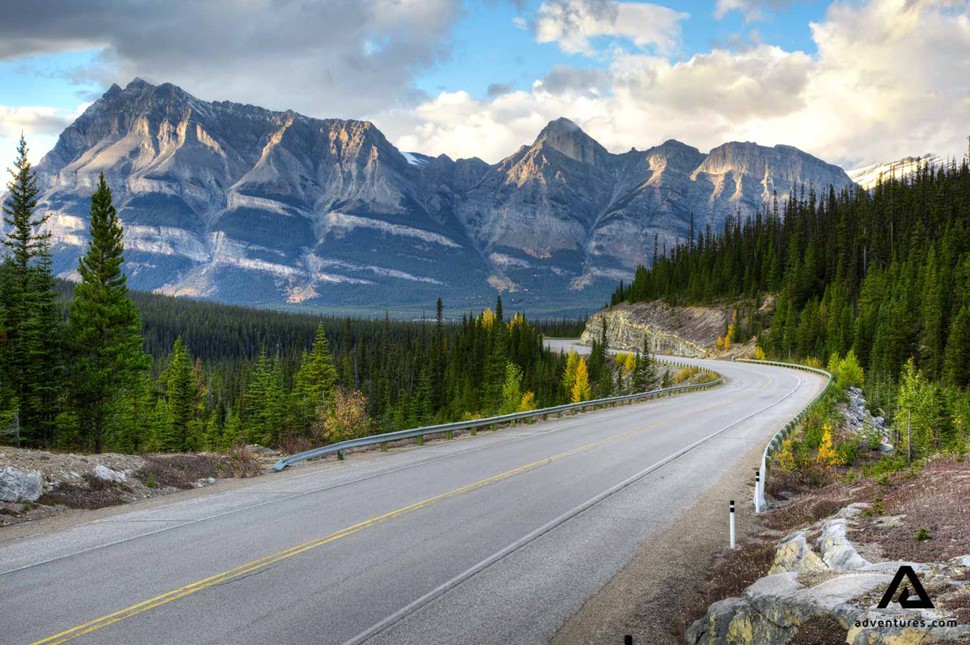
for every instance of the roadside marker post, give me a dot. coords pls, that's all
(732, 523)
(757, 490)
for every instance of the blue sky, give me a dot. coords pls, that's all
(489, 49)
(481, 77)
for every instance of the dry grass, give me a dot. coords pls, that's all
(93, 493)
(820, 629)
(936, 500)
(731, 573)
(182, 471)
(803, 511)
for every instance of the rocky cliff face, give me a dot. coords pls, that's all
(677, 331)
(871, 176)
(241, 204)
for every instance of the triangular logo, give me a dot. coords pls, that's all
(906, 601)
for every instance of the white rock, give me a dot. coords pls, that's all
(104, 473)
(16, 485)
(836, 549)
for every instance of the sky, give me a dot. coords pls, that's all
(853, 81)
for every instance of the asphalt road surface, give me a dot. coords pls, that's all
(498, 538)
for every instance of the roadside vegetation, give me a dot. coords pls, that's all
(874, 287)
(884, 274)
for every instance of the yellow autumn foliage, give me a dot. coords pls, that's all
(827, 456)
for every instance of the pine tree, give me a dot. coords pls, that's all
(313, 384)
(30, 364)
(182, 393)
(104, 328)
(957, 355)
(644, 370)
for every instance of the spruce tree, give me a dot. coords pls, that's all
(313, 384)
(644, 370)
(31, 358)
(104, 328)
(957, 357)
(182, 393)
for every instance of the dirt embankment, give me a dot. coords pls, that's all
(37, 484)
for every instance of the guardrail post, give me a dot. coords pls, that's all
(340, 455)
(731, 513)
(474, 431)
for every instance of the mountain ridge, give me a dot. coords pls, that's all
(237, 203)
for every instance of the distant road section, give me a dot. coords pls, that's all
(498, 538)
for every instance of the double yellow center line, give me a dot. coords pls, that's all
(266, 561)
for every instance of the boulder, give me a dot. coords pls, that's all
(793, 554)
(841, 584)
(105, 474)
(16, 486)
(836, 549)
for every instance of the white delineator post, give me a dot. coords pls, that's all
(732, 523)
(757, 492)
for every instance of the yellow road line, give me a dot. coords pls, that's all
(265, 561)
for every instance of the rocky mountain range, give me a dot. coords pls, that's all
(241, 204)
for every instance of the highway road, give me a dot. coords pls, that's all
(498, 538)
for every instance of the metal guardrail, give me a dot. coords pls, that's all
(448, 428)
(781, 435)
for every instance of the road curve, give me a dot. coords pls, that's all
(498, 538)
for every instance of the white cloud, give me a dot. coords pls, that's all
(40, 125)
(572, 23)
(752, 9)
(324, 58)
(30, 120)
(889, 80)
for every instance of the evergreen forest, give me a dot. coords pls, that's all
(881, 278)
(93, 367)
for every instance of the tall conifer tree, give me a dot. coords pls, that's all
(104, 327)
(31, 358)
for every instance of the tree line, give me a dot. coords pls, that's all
(91, 366)
(883, 275)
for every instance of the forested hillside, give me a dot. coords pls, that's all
(883, 275)
(91, 366)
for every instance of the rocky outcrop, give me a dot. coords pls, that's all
(234, 202)
(18, 486)
(838, 583)
(677, 331)
(859, 420)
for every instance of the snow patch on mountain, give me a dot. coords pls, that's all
(416, 159)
